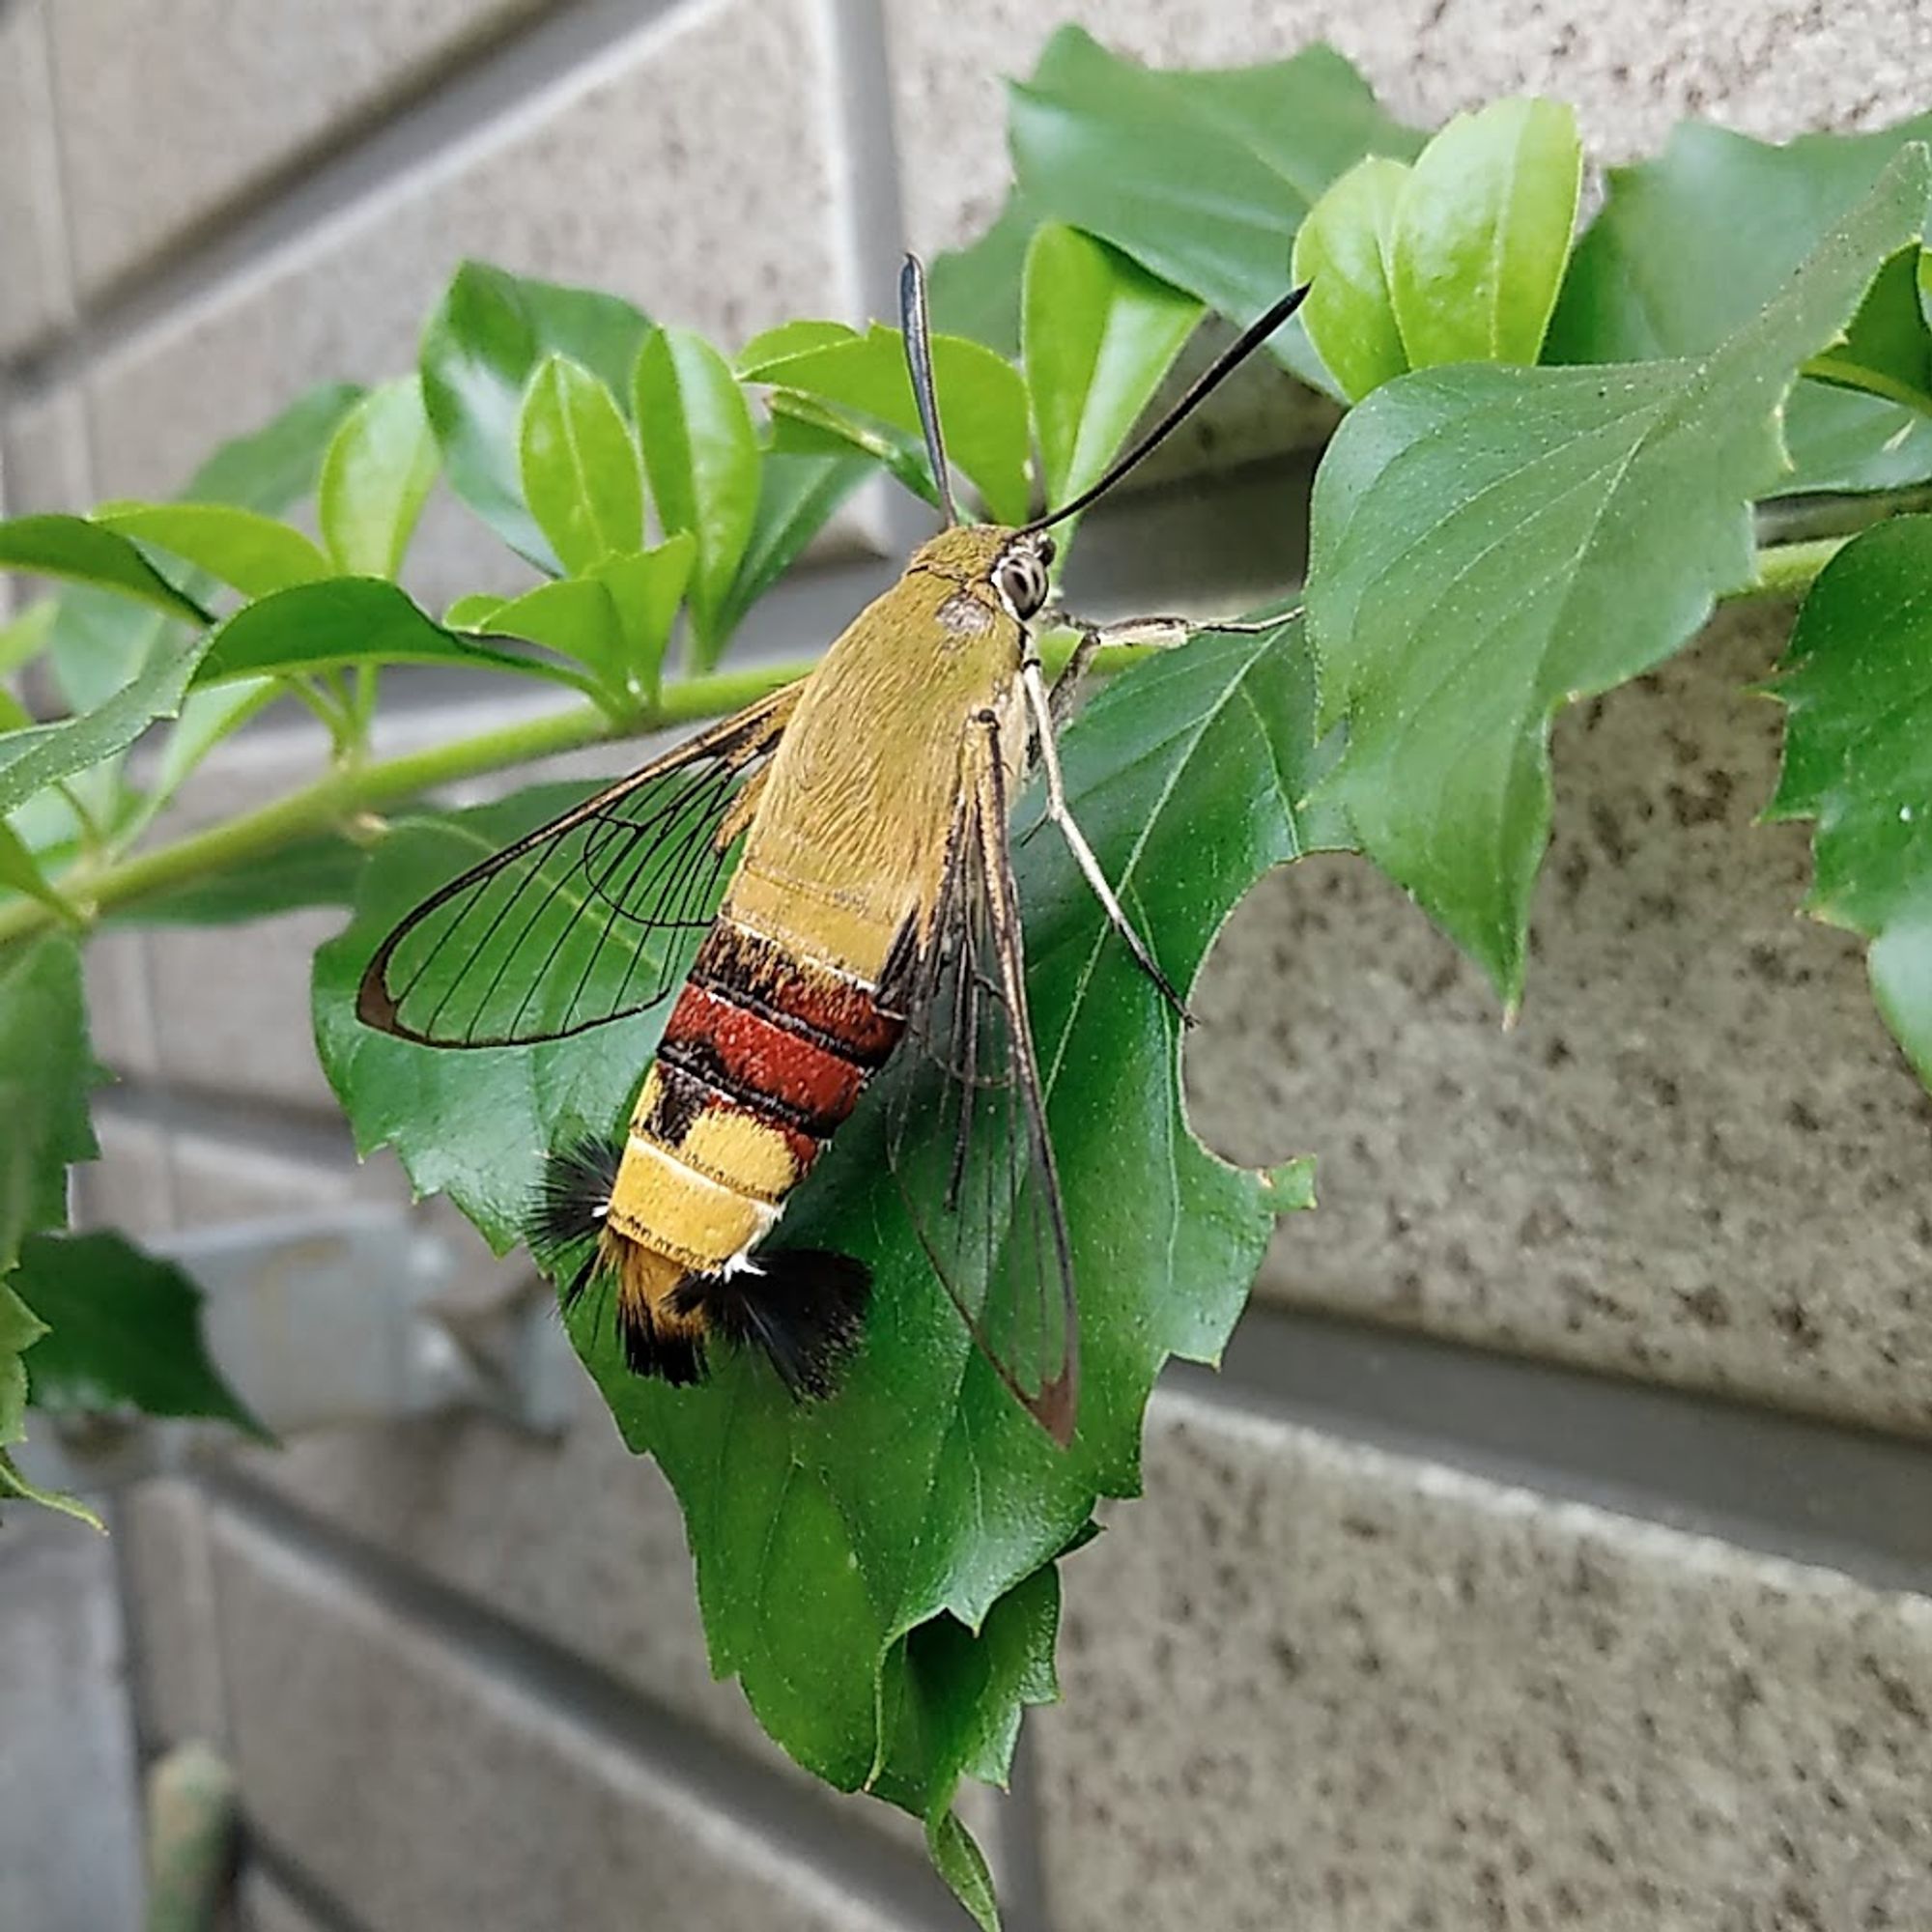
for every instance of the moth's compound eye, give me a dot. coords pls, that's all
(1022, 581)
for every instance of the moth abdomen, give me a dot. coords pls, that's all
(802, 1308)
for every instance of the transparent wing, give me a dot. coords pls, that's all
(966, 1122)
(585, 919)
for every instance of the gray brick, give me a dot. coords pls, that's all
(34, 295)
(68, 1858)
(44, 451)
(223, 1176)
(167, 117)
(1313, 1684)
(131, 1185)
(120, 1020)
(425, 1793)
(1770, 71)
(161, 1529)
(686, 167)
(1632, 1177)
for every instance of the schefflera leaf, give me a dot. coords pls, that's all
(1342, 252)
(579, 465)
(1487, 544)
(829, 1538)
(1858, 758)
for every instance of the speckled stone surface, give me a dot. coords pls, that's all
(1311, 1685)
(1767, 69)
(168, 114)
(426, 1792)
(689, 167)
(1698, 1157)
(35, 296)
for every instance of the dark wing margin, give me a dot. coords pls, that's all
(585, 919)
(966, 1132)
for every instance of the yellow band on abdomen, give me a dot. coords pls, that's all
(663, 1204)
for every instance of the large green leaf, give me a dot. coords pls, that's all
(1101, 334)
(983, 401)
(976, 290)
(1858, 758)
(701, 456)
(79, 549)
(20, 1331)
(1489, 544)
(1342, 251)
(125, 1332)
(46, 1072)
(375, 476)
(488, 334)
(1687, 246)
(254, 553)
(1202, 176)
(921, 1490)
(344, 620)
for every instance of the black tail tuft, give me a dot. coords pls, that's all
(804, 1307)
(571, 1199)
(676, 1355)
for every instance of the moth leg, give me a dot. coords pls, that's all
(1161, 633)
(1040, 703)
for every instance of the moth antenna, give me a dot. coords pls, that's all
(802, 1308)
(915, 329)
(1201, 387)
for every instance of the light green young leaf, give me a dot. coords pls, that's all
(256, 554)
(20, 872)
(1482, 233)
(1342, 252)
(798, 496)
(486, 338)
(1858, 758)
(1487, 544)
(1690, 245)
(376, 475)
(975, 291)
(1101, 334)
(125, 1332)
(701, 456)
(579, 465)
(1201, 176)
(345, 620)
(24, 636)
(82, 551)
(983, 401)
(802, 427)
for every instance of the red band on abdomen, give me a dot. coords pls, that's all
(759, 1063)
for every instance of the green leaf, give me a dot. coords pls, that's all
(20, 872)
(982, 400)
(922, 1490)
(1487, 544)
(701, 455)
(318, 872)
(478, 352)
(344, 620)
(803, 426)
(46, 1072)
(33, 759)
(20, 1331)
(615, 621)
(1201, 176)
(1858, 758)
(275, 465)
(1887, 349)
(254, 553)
(798, 496)
(1688, 246)
(975, 291)
(1481, 233)
(76, 547)
(125, 1332)
(1342, 251)
(25, 636)
(579, 465)
(375, 476)
(1101, 334)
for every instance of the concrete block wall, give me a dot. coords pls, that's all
(1555, 1548)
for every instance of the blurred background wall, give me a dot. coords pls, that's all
(1553, 1549)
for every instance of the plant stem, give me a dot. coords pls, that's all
(339, 794)
(1786, 568)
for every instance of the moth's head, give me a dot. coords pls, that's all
(1011, 563)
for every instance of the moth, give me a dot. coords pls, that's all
(872, 912)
